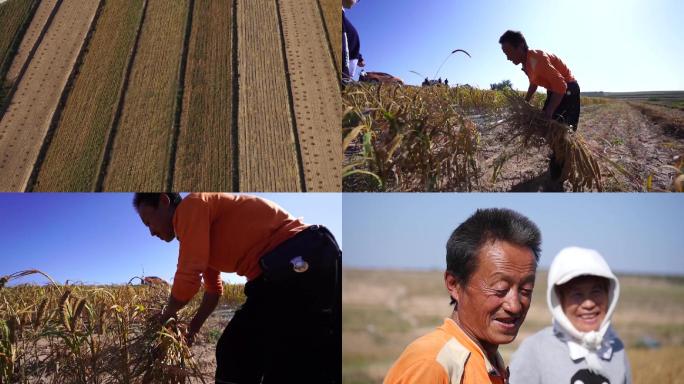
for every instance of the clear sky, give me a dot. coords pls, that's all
(636, 233)
(609, 45)
(99, 238)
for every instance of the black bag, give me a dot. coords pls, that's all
(309, 252)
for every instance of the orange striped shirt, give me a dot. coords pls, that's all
(221, 232)
(444, 356)
(548, 71)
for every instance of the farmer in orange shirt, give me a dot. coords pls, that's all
(289, 328)
(491, 265)
(563, 93)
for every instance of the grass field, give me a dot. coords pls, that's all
(73, 159)
(142, 145)
(202, 161)
(99, 334)
(384, 310)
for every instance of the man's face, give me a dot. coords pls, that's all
(585, 302)
(493, 304)
(159, 220)
(515, 55)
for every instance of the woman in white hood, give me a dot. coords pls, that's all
(580, 347)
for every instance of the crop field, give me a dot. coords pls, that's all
(35, 30)
(465, 139)
(672, 99)
(103, 334)
(14, 17)
(74, 157)
(384, 310)
(144, 95)
(28, 116)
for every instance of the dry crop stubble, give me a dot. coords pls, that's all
(142, 145)
(72, 161)
(95, 334)
(205, 144)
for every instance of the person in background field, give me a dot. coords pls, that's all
(289, 328)
(580, 346)
(351, 45)
(563, 92)
(491, 264)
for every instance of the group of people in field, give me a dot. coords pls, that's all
(491, 263)
(543, 69)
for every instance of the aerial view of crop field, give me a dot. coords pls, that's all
(436, 107)
(131, 95)
(394, 280)
(95, 305)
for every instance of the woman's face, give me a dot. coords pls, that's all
(584, 301)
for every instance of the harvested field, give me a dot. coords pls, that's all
(141, 150)
(45, 12)
(14, 16)
(203, 160)
(73, 159)
(317, 103)
(26, 121)
(332, 15)
(229, 95)
(267, 148)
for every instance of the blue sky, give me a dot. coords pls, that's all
(609, 45)
(636, 233)
(99, 238)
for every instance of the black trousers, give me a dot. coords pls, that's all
(289, 330)
(568, 112)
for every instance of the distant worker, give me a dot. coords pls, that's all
(289, 329)
(563, 92)
(351, 45)
(426, 82)
(446, 82)
(440, 80)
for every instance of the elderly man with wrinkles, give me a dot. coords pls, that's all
(491, 266)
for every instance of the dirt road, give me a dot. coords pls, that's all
(28, 117)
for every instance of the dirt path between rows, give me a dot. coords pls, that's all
(27, 119)
(632, 146)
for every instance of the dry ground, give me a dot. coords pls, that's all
(384, 310)
(618, 131)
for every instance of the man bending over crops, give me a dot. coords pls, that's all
(289, 328)
(548, 71)
(491, 263)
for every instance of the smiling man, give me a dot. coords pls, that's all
(563, 93)
(581, 345)
(491, 265)
(292, 312)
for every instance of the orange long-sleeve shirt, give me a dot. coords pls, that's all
(548, 71)
(220, 232)
(445, 356)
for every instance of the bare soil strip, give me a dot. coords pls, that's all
(38, 92)
(73, 157)
(15, 18)
(203, 159)
(267, 147)
(30, 38)
(141, 149)
(316, 94)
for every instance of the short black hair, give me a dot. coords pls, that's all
(152, 199)
(514, 38)
(488, 225)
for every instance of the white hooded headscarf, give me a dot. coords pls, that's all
(593, 346)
